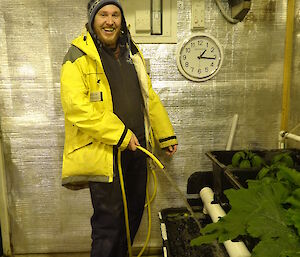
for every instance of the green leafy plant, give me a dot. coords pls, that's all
(246, 159)
(268, 210)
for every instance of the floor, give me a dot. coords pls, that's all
(68, 255)
(149, 252)
(55, 255)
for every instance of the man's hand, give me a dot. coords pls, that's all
(171, 150)
(133, 143)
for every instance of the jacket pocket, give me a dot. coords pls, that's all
(79, 147)
(90, 159)
(77, 140)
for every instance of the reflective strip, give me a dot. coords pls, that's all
(159, 215)
(166, 139)
(122, 137)
(84, 179)
(163, 231)
(165, 251)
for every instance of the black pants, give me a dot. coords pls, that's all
(108, 224)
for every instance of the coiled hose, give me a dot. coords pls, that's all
(148, 203)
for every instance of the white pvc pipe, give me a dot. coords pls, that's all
(236, 249)
(293, 136)
(287, 135)
(281, 140)
(232, 132)
(283, 135)
(215, 211)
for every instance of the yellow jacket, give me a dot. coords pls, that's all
(92, 130)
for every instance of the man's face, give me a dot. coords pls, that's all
(107, 25)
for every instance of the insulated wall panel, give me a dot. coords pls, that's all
(33, 40)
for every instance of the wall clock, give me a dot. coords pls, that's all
(199, 57)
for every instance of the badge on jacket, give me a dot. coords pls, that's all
(96, 97)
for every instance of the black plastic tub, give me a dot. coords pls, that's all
(225, 177)
(179, 228)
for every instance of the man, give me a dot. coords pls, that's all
(110, 106)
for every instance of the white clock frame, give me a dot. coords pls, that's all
(199, 70)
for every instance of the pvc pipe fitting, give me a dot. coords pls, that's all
(215, 211)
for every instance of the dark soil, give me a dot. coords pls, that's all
(181, 229)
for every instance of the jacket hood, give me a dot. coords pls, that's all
(86, 44)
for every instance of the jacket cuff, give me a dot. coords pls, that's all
(124, 140)
(166, 142)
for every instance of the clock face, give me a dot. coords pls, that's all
(199, 57)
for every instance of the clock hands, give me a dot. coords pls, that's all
(199, 57)
(203, 53)
(204, 57)
(210, 58)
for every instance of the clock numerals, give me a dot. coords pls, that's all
(199, 57)
(206, 70)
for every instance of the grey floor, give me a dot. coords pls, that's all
(56, 255)
(67, 255)
(149, 252)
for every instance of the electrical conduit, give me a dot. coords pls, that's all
(4, 217)
(287, 64)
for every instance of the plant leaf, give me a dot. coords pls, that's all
(263, 172)
(265, 215)
(205, 239)
(258, 212)
(290, 175)
(277, 247)
(294, 211)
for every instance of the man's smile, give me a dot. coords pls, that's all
(109, 30)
